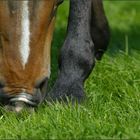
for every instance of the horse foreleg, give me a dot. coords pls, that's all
(77, 54)
(99, 28)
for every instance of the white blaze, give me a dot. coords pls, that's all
(25, 33)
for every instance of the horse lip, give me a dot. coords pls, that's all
(24, 97)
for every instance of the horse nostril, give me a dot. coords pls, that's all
(4, 98)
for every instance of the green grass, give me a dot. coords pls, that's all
(112, 107)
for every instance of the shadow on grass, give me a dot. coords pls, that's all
(121, 40)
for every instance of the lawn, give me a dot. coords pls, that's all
(112, 107)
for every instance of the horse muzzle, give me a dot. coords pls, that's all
(21, 101)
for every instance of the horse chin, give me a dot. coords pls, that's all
(19, 107)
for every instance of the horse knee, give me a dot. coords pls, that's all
(78, 57)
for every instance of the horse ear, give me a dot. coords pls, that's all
(59, 1)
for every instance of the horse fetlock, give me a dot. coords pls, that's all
(76, 62)
(67, 90)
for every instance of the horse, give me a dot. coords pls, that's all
(26, 31)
